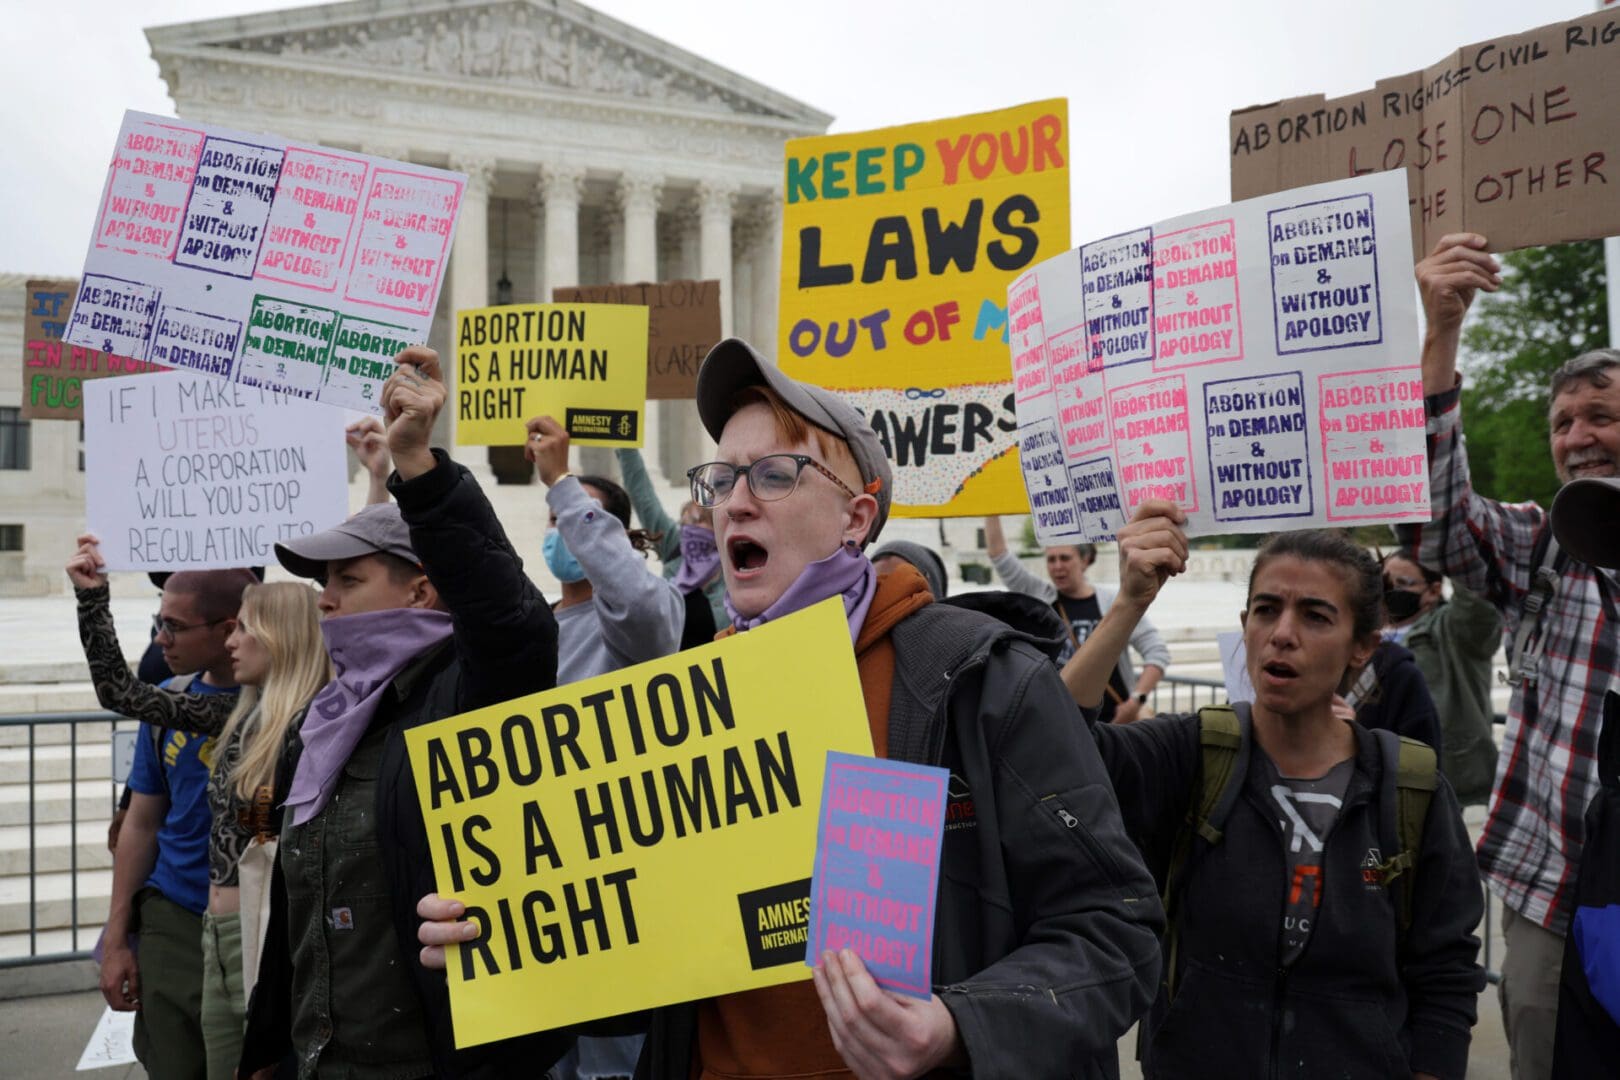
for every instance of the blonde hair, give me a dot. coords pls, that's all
(284, 617)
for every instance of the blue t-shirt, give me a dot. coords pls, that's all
(181, 870)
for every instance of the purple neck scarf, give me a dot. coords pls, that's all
(847, 572)
(367, 651)
(700, 558)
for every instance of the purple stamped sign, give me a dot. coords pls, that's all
(876, 876)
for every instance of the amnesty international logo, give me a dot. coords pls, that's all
(776, 923)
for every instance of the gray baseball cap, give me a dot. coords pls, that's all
(1586, 520)
(375, 528)
(733, 366)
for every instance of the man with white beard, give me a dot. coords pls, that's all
(1562, 619)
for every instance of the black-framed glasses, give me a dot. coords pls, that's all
(772, 477)
(161, 626)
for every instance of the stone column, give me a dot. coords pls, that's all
(715, 200)
(469, 277)
(766, 264)
(607, 247)
(537, 207)
(745, 236)
(637, 198)
(561, 187)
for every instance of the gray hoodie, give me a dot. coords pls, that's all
(633, 615)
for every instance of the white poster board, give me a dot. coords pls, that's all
(1255, 363)
(1235, 665)
(185, 472)
(262, 261)
(112, 1043)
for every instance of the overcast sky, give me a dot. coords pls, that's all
(1150, 84)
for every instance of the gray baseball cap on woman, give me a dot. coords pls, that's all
(373, 529)
(733, 366)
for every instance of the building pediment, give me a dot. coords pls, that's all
(560, 47)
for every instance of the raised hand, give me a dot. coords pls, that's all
(86, 569)
(411, 399)
(547, 447)
(1152, 550)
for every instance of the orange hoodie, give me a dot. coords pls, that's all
(781, 1031)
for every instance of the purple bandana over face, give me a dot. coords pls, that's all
(700, 558)
(847, 572)
(367, 651)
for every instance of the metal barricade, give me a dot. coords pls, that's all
(32, 755)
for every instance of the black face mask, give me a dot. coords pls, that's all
(1401, 605)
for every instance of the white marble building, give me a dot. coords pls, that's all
(595, 153)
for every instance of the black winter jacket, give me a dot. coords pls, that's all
(1351, 1005)
(504, 646)
(1044, 941)
(1401, 702)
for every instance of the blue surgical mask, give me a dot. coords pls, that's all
(564, 567)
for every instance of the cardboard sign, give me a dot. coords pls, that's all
(643, 837)
(53, 371)
(877, 868)
(1256, 364)
(1516, 138)
(683, 324)
(898, 247)
(264, 262)
(585, 364)
(185, 472)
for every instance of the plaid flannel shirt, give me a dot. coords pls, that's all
(1547, 770)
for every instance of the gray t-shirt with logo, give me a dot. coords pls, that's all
(1306, 810)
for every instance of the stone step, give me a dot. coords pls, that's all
(57, 801)
(52, 942)
(52, 899)
(91, 759)
(43, 697)
(57, 732)
(54, 846)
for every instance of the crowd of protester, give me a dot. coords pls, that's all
(1276, 887)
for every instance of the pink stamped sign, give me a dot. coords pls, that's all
(313, 221)
(150, 180)
(404, 240)
(237, 254)
(1368, 474)
(1026, 335)
(1197, 313)
(1153, 443)
(1078, 383)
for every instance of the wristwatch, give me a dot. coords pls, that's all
(1141, 699)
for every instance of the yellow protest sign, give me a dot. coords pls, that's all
(897, 249)
(585, 364)
(641, 838)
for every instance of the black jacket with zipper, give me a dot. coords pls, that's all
(504, 646)
(1045, 946)
(1355, 1003)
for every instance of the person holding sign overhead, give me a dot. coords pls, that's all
(279, 661)
(427, 614)
(614, 612)
(1319, 882)
(691, 557)
(1561, 628)
(1044, 950)
(1081, 604)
